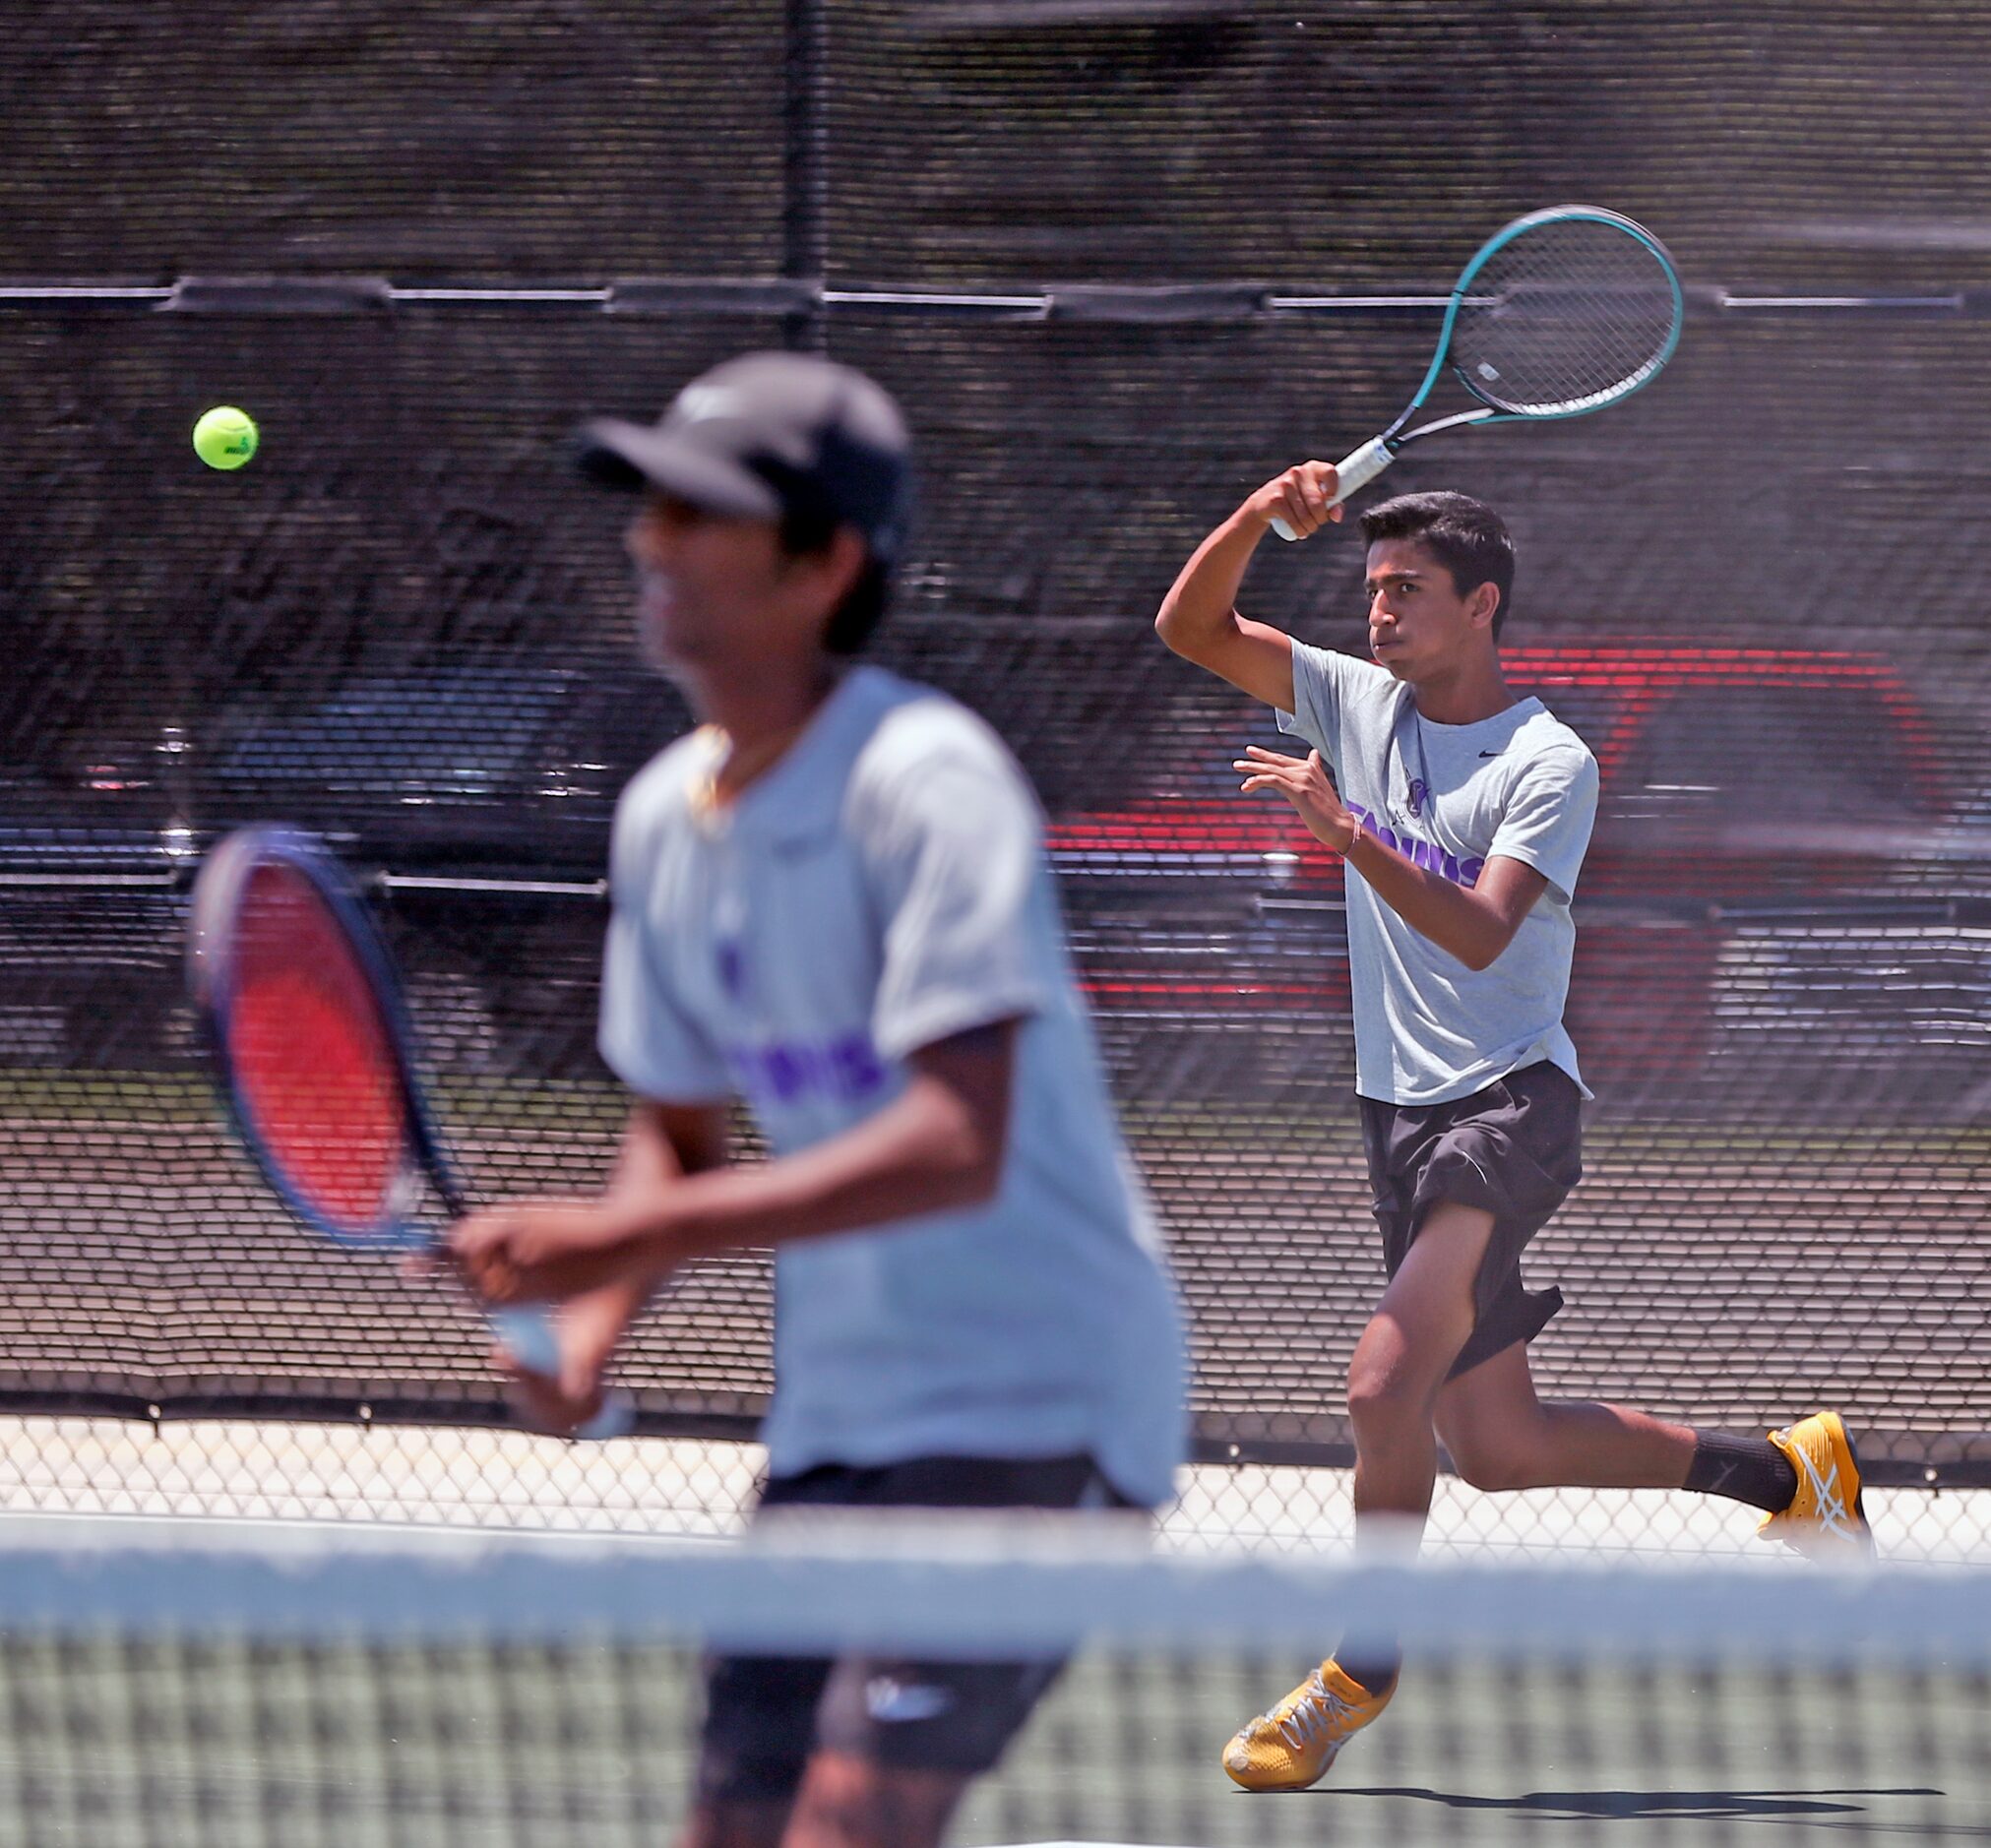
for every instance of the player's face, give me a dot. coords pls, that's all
(711, 590)
(1419, 622)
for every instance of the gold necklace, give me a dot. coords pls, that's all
(707, 800)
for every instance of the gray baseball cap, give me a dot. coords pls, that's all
(770, 434)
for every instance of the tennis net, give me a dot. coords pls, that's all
(179, 1682)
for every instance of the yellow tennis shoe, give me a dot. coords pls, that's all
(1825, 1517)
(1293, 1745)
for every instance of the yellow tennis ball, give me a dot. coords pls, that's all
(224, 437)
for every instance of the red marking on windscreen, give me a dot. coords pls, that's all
(313, 1061)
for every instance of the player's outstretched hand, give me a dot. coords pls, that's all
(537, 1251)
(1303, 497)
(1305, 782)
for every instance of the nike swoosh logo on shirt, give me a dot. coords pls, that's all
(1490, 754)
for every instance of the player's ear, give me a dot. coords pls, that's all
(1484, 604)
(840, 564)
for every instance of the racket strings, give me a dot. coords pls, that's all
(312, 1060)
(1563, 317)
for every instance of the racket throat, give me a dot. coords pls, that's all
(402, 1201)
(1460, 420)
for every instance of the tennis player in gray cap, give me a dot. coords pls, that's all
(831, 901)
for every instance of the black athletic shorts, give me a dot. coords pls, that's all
(1515, 1149)
(766, 1714)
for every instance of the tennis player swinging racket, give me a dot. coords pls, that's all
(1462, 812)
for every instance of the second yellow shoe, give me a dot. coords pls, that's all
(1293, 1745)
(1826, 1519)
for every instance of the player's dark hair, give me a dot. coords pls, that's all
(854, 621)
(1467, 536)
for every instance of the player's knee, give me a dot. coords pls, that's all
(851, 1801)
(1382, 1396)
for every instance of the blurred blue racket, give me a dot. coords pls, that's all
(303, 1015)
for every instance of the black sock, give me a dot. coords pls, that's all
(1744, 1469)
(1373, 1666)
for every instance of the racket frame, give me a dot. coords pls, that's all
(219, 893)
(1362, 466)
(528, 1333)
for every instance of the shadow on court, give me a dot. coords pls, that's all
(1764, 1806)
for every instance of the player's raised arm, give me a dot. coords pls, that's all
(1198, 616)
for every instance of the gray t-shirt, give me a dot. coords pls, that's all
(1428, 1030)
(883, 888)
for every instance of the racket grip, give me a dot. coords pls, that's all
(1352, 473)
(528, 1335)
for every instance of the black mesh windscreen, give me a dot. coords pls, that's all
(416, 138)
(1757, 589)
(1775, 146)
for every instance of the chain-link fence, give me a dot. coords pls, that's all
(1120, 263)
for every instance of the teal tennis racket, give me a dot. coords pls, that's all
(1559, 314)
